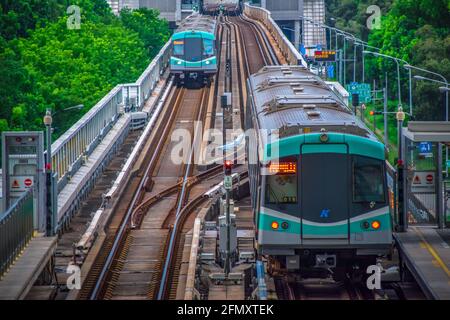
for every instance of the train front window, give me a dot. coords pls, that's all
(368, 180)
(178, 48)
(208, 47)
(281, 183)
(193, 50)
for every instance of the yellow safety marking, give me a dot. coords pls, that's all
(433, 252)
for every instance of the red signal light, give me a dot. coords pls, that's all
(228, 164)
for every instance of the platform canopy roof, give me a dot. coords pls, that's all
(430, 131)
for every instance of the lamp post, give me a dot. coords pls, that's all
(398, 76)
(50, 223)
(400, 167)
(51, 207)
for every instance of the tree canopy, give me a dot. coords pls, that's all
(45, 64)
(416, 31)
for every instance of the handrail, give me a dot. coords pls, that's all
(16, 230)
(71, 149)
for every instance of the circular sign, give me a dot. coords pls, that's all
(429, 178)
(28, 182)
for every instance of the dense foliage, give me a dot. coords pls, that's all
(414, 30)
(44, 64)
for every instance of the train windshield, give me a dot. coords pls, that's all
(178, 48)
(368, 180)
(281, 183)
(193, 49)
(208, 47)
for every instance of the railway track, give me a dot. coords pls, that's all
(140, 256)
(132, 259)
(320, 289)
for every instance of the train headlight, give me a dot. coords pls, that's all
(285, 225)
(376, 224)
(365, 225)
(178, 62)
(275, 225)
(207, 62)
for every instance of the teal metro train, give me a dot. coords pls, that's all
(194, 50)
(317, 177)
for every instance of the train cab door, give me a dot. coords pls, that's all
(193, 51)
(324, 194)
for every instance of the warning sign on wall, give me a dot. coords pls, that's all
(423, 182)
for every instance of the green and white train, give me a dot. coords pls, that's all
(194, 52)
(317, 177)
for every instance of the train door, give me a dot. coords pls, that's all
(193, 51)
(324, 193)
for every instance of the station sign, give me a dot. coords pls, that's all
(363, 90)
(330, 71)
(425, 149)
(423, 182)
(325, 55)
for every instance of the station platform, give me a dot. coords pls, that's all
(426, 252)
(18, 281)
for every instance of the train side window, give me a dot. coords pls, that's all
(368, 180)
(178, 48)
(281, 183)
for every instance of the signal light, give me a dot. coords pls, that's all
(228, 164)
(373, 113)
(274, 225)
(376, 224)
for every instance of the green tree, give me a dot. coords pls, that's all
(43, 64)
(153, 31)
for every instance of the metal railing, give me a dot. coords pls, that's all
(287, 48)
(16, 230)
(82, 138)
(141, 90)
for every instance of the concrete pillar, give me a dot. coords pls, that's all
(178, 11)
(297, 34)
(263, 4)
